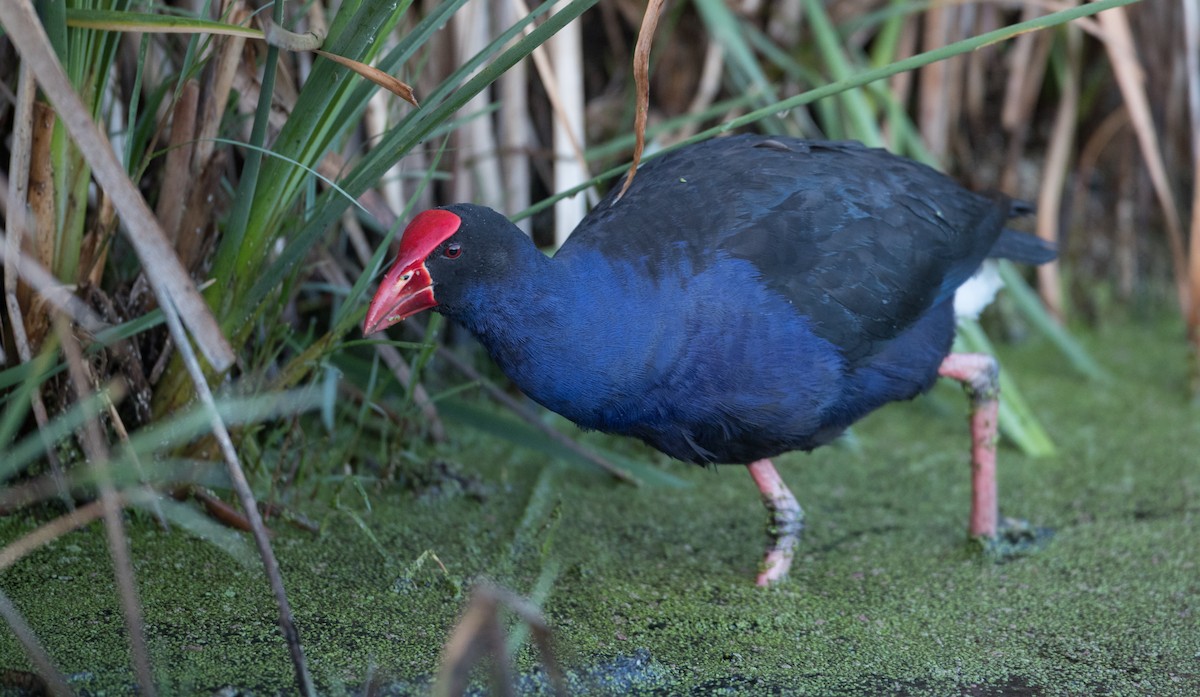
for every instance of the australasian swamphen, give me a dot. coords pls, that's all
(748, 296)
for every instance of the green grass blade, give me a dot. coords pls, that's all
(120, 21)
(19, 403)
(862, 116)
(728, 30)
(220, 295)
(323, 112)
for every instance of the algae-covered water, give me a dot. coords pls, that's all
(650, 589)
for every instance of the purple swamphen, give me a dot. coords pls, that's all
(748, 296)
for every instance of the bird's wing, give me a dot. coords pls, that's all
(859, 241)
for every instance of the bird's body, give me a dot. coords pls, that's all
(746, 297)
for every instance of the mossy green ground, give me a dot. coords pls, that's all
(886, 596)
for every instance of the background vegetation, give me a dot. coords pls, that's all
(194, 216)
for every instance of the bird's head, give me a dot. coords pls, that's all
(444, 253)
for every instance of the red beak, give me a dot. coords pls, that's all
(405, 291)
(408, 288)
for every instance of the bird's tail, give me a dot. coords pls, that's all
(1022, 247)
(1018, 208)
(1019, 246)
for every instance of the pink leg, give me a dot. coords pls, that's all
(787, 520)
(979, 375)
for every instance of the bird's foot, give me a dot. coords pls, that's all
(787, 522)
(1014, 538)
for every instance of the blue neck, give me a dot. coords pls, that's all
(569, 331)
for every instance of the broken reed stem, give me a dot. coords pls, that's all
(479, 630)
(1128, 71)
(14, 258)
(237, 476)
(96, 448)
(48, 287)
(46, 533)
(1057, 166)
(641, 78)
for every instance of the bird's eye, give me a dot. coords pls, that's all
(452, 250)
